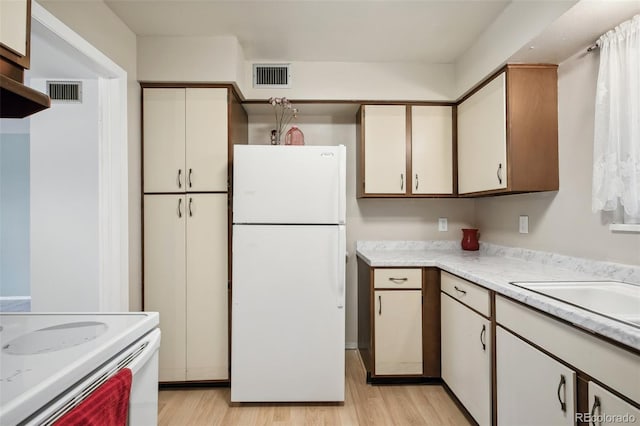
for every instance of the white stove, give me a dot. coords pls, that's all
(50, 361)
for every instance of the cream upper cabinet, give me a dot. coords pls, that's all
(405, 151)
(482, 139)
(206, 136)
(532, 388)
(14, 17)
(466, 357)
(431, 150)
(165, 278)
(508, 133)
(207, 287)
(385, 139)
(398, 332)
(185, 134)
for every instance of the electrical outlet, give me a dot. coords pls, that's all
(524, 224)
(442, 224)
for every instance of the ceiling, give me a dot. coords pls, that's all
(418, 31)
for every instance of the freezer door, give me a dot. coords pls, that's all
(289, 184)
(288, 320)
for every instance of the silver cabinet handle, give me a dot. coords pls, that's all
(401, 181)
(179, 207)
(398, 280)
(563, 383)
(190, 211)
(499, 173)
(379, 305)
(417, 182)
(189, 178)
(482, 337)
(594, 407)
(460, 290)
(179, 178)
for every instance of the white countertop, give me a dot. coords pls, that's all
(495, 267)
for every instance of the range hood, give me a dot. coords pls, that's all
(18, 100)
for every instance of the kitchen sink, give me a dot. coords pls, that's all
(613, 299)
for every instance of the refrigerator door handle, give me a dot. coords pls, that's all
(342, 265)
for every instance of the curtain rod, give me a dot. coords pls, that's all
(593, 47)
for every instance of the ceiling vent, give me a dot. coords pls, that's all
(65, 91)
(269, 76)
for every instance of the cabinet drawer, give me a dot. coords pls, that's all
(397, 278)
(605, 362)
(472, 295)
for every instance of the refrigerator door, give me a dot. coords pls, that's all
(289, 184)
(288, 320)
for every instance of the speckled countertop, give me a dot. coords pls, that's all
(495, 267)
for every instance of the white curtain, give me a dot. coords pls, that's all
(616, 151)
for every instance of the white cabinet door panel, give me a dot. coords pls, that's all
(164, 140)
(431, 150)
(13, 25)
(606, 408)
(207, 136)
(533, 388)
(466, 357)
(385, 130)
(164, 278)
(207, 305)
(482, 139)
(398, 332)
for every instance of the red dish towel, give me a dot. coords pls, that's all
(106, 406)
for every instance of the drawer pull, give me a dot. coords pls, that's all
(402, 181)
(499, 173)
(398, 280)
(179, 207)
(417, 183)
(594, 407)
(563, 383)
(190, 210)
(190, 171)
(460, 290)
(179, 178)
(379, 305)
(482, 337)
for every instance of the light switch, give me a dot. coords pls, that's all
(442, 224)
(524, 224)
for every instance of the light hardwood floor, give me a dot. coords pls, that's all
(364, 405)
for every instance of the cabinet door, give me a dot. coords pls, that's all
(14, 25)
(466, 357)
(207, 139)
(164, 140)
(431, 150)
(607, 409)
(398, 332)
(482, 139)
(207, 305)
(533, 389)
(164, 278)
(385, 130)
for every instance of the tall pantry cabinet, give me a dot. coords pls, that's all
(187, 137)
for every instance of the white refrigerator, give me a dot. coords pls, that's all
(288, 283)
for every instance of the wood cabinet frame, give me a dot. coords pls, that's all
(361, 143)
(430, 326)
(238, 133)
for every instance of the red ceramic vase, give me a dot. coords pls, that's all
(470, 239)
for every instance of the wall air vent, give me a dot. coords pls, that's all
(65, 91)
(266, 76)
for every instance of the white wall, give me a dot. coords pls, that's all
(14, 211)
(64, 204)
(372, 219)
(562, 221)
(96, 23)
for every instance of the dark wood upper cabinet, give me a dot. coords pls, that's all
(16, 99)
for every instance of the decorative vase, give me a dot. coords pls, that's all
(470, 239)
(294, 136)
(275, 137)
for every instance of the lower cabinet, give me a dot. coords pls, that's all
(532, 388)
(607, 409)
(186, 280)
(398, 332)
(466, 357)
